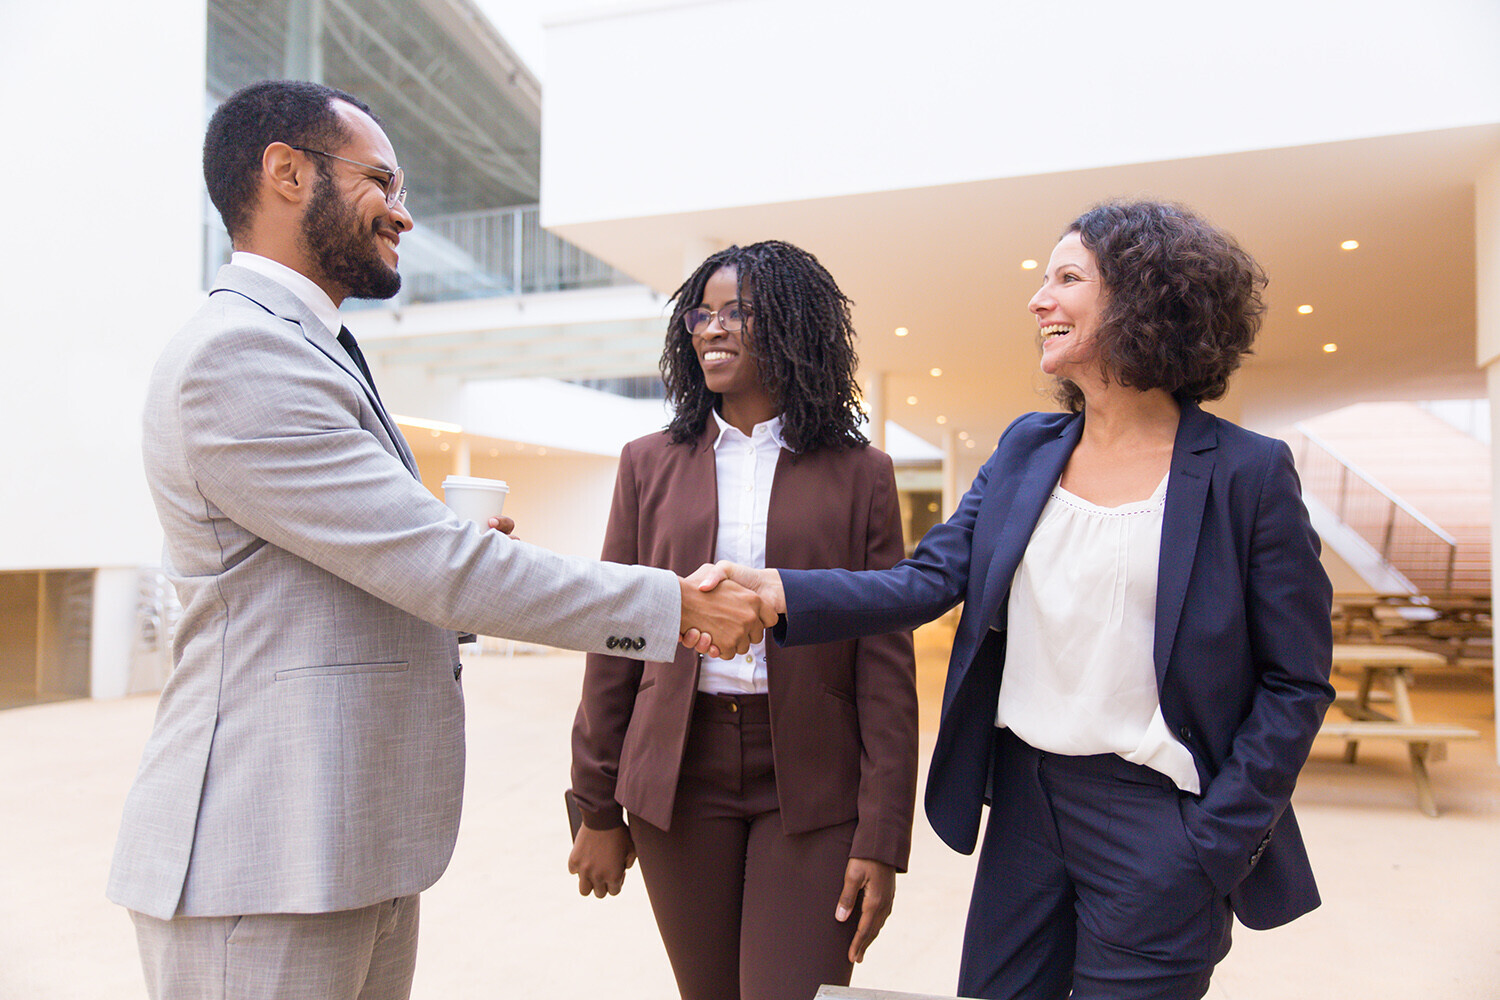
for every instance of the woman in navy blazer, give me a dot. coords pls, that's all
(1100, 874)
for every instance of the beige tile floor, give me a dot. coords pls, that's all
(1412, 904)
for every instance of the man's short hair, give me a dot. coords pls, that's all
(295, 112)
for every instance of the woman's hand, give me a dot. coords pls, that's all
(877, 881)
(599, 859)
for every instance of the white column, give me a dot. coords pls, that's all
(1487, 332)
(874, 390)
(112, 636)
(950, 472)
(304, 41)
(462, 454)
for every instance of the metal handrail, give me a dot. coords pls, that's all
(1348, 469)
(472, 254)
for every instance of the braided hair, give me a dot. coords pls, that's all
(801, 336)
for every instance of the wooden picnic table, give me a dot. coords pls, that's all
(1386, 676)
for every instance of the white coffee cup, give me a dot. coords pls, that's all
(475, 499)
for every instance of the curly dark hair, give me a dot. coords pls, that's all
(295, 112)
(800, 334)
(1183, 300)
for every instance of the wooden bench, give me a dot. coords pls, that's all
(1392, 666)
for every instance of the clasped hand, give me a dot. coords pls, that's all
(724, 591)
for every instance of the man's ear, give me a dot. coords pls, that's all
(285, 173)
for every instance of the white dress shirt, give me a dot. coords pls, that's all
(295, 282)
(745, 467)
(1079, 675)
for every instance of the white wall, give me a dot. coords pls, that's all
(99, 132)
(560, 502)
(978, 89)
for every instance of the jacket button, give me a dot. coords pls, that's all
(1187, 733)
(640, 642)
(611, 643)
(458, 669)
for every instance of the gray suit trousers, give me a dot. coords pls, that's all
(364, 954)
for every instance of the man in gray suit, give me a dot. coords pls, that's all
(302, 782)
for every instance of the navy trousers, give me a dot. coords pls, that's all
(1087, 883)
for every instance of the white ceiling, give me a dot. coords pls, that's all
(945, 263)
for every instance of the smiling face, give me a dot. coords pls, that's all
(729, 366)
(349, 232)
(1067, 308)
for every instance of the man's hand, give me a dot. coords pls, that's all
(723, 619)
(504, 525)
(765, 582)
(877, 882)
(599, 859)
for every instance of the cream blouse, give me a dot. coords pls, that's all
(1079, 675)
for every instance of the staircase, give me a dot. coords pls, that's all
(1414, 488)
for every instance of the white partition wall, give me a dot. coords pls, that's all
(786, 100)
(101, 123)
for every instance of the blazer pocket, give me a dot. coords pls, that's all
(844, 696)
(338, 669)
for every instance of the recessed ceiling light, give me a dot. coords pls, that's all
(444, 446)
(942, 420)
(541, 451)
(1330, 348)
(963, 435)
(936, 372)
(1304, 310)
(1029, 265)
(436, 433)
(902, 331)
(1349, 245)
(911, 400)
(494, 453)
(969, 443)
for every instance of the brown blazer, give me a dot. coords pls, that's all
(843, 714)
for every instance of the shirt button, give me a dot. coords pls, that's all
(749, 658)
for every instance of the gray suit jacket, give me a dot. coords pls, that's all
(308, 750)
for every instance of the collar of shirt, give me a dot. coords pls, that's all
(771, 428)
(295, 282)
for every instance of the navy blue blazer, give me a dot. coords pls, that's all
(1242, 649)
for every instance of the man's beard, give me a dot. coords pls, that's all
(342, 249)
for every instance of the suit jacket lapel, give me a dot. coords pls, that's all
(1193, 458)
(319, 336)
(279, 301)
(701, 481)
(1028, 495)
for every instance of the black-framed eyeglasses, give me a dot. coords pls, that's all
(732, 318)
(395, 181)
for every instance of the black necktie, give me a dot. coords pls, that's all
(352, 346)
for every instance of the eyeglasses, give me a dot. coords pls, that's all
(395, 181)
(732, 318)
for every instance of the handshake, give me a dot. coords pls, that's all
(727, 607)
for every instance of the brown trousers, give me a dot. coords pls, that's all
(745, 910)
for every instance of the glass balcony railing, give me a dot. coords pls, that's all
(469, 255)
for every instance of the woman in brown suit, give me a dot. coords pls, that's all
(769, 797)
